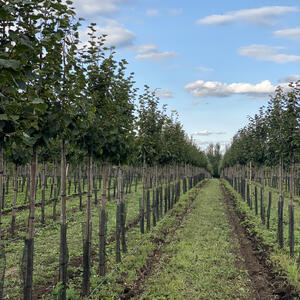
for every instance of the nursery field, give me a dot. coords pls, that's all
(202, 240)
(128, 238)
(198, 250)
(47, 246)
(104, 195)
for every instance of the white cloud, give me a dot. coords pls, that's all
(291, 33)
(145, 48)
(151, 52)
(290, 78)
(262, 16)
(152, 12)
(164, 93)
(204, 69)
(117, 34)
(156, 56)
(208, 132)
(267, 53)
(201, 89)
(96, 7)
(175, 11)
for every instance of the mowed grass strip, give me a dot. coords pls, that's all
(200, 262)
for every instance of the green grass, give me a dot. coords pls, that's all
(280, 258)
(140, 247)
(46, 247)
(271, 234)
(200, 263)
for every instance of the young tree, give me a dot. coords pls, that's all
(150, 123)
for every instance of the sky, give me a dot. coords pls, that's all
(214, 62)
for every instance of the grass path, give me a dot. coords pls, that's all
(200, 261)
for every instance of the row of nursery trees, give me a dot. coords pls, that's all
(268, 150)
(65, 101)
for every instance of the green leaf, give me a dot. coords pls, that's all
(10, 63)
(3, 117)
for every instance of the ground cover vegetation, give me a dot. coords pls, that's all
(262, 165)
(84, 156)
(200, 260)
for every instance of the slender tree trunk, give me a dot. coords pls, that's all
(95, 185)
(118, 216)
(291, 209)
(79, 187)
(109, 183)
(280, 206)
(123, 216)
(43, 191)
(63, 260)
(2, 248)
(88, 232)
(1, 190)
(13, 213)
(269, 210)
(250, 184)
(55, 190)
(142, 206)
(262, 199)
(148, 205)
(29, 243)
(102, 222)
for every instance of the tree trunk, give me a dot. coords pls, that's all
(79, 188)
(102, 222)
(118, 216)
(269, 210)
(43, 191)
(142, 206)
(13, 212)
(55, 190)
(280, 206)
(63, 260)
(1, 190)
(29, 243)
(2, 248)
(250, 185)
(88, 232)
(291, 209)
(148, 206)
(95, 186)
(262, 199)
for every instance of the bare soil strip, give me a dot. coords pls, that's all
(267, 283)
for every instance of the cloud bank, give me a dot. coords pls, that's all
(202, 89)
(208, 132)
(95, 7)
(267, 53)
(164, 93)
(151, 52)
(261, 16)
(290, 78)
(117, 34)
(291, 33)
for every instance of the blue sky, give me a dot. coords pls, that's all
(215, 62)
